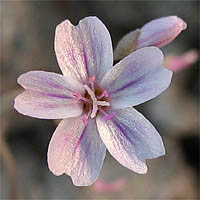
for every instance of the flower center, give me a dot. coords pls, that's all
(94, 100)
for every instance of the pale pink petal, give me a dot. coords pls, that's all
(137, 78)
(130, 138)
(160, 32)
(84, 50)
(47, 106)
(48, 96)
(178, 63)
(102, 186)
(77, 150)
(50, 83)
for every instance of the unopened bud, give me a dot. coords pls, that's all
(178, 63)
(160, 32)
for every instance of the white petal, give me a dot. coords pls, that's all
(44, 106)
(48, 96)
(84, 50)
(139, 77)
(77, 150)
(130, 138)
(50, 83)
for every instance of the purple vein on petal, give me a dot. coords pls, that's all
(137, 138)
(53, 84)
(86, 154)
(122, 131)
(52, 95)
(79, 142)
(85, 61)
(129, 84)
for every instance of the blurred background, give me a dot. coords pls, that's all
(27, 43)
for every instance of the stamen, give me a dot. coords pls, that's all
(104, 94)
(103, 111)
(79, 97)
(110, 116)
(86, 117)
(107, 116)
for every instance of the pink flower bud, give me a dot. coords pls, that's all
(160, 32)
(102, 186)
(178, 63)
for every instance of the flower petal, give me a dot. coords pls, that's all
(84, 50)
(44, 106)
(137, 78)
(77, 150)
(50, 83)
(48, 96)
(160, 32)
(130, 138)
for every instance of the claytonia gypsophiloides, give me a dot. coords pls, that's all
(158, 32)
(95, 101)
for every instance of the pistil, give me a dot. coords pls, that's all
(95, 102)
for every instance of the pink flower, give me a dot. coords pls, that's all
(178, 63)
(158, 32)
(109, 187)
(95, 102)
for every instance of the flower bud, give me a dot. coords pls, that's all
(126, 45)
(160, 32)
(178, 63)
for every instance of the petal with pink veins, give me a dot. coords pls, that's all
(48, 96)
(137, 78)
(130, 138)
(84, 50)
(77, 150)
(47, 106)
(50, 83)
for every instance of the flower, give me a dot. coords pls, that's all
(95, 102)
(179, 63)
(158, 32)
(102, 186)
